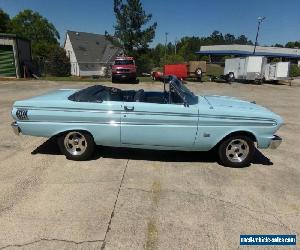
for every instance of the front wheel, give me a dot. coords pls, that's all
(76, 145)
(236, 151)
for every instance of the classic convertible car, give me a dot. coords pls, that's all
(173, 119)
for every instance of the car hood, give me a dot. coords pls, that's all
(231, 102)
(231, 105)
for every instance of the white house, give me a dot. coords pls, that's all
(90, 54)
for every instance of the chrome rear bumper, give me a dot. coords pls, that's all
(276, 141)
(15, 128)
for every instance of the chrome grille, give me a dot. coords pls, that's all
(123, 70)
(22, 114)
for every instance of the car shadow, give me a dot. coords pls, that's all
(50, 147)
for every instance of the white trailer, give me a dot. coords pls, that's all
(277, 71)
(247, 68)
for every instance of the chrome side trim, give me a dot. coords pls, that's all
(153, 123)
(276, 141)
(15, 128)
(274, 122)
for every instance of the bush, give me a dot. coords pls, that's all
(58, 63)
(144, 64)
(295, 70)
(173, 59)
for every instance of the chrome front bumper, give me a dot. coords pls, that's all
(15, 128)
(276, 141)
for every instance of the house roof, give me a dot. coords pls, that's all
(246, 50)
(92, 48)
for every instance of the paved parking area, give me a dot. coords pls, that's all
(138, 199)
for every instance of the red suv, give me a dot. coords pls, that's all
(124, 69)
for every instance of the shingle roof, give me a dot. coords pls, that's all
(92, 48)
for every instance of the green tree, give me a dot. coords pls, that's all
(145, 63)
(31, 25)
(58, 64)
(173, 59)
(157, 53)
(242, 39)
(278, 45)
(229, 38)
(295, 44)
(130, 29)
(4, 22)
(217, 37)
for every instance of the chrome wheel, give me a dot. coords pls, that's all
(237, 150)
(75, 143)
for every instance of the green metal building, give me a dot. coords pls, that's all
(15, 55)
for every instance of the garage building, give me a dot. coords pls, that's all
(15, 55)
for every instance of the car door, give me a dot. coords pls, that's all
(159, 125)
(101, 119)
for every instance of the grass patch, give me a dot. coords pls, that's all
(73, 79)
(214, 69)
(87, 79)
(295, 70)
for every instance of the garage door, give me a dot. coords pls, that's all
(7, 61)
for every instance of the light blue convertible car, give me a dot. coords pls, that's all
(173, 119)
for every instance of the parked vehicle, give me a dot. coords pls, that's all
(248, 68)
(192, 69)
(124, 69)
(255, 68)
(277, 71)
(179, 70)
(196, 69)
(173, 119)
(157, 75)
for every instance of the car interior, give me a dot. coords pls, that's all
(98, 93)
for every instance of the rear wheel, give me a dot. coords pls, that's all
(258, 81)
(198, 73)
(236, 151)
(76, 145)
(230, 77)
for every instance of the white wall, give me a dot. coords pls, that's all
(70, 53)
(100, 72)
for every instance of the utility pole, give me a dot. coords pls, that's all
(166, 34)
(175, 45)
(260, 20)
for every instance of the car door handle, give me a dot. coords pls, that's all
(127, 108)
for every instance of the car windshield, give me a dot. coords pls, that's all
(183, 91)
(124, 62)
